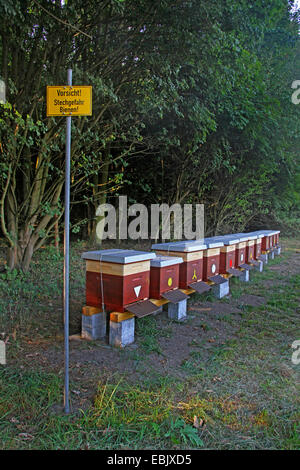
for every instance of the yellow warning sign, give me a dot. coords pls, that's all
(69, 100)
(170, 281)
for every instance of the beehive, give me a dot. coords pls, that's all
(211, 258)
(266, 241)
(257, 244)
(240, 251)
(250, 247)
(117, 278)
(227, 253)
(191, 252)
(164, 275)
(277, 238)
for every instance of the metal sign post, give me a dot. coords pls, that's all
(68, 101)
(66, 252)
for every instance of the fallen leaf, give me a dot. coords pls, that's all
(202, 309)
(196, 422)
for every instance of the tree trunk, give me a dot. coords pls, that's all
(100, 198)
(56, 234)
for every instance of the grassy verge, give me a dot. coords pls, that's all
(244, 394)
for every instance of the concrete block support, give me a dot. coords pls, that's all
(160, 310)
(177, 311)
(122, 333)
(94, 326)
(245, 277)
(278, 250)
(272, 255)
(221, 290)
(264, 258)
(259, 267)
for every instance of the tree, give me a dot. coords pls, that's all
(103, 44)
(232, 141)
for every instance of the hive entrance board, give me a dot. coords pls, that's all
(255, 263)
(235, 272)
(245, 266)
(200, 287)
(218, 279)
(174, 296)
(142, 308)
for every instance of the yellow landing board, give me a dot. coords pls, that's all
(69, 100)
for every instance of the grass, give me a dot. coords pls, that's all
(42, 287)
(241, 392)
(149, 334)
(123, 415)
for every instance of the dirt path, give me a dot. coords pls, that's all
(228, 366)
(211, 325)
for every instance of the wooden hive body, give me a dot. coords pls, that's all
(227, 252)
(191, 252)
(164, 275)
(240, 253)
(211, 258)
(117, 278)
(257, 248)
(250, 251)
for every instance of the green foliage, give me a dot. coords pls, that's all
(189, 105)
(182, 432)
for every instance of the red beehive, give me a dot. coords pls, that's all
(250, 249)
(257, 247)
(240, 252)
(265, 240)
(275, 238)
(227, 258)
(164, 275)
(191, 252)
(265, 244)
(227, 252)
(117, 278)
(211, 259)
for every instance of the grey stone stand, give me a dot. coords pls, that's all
(260, 267)
(264, 258)
(221, 290)
(177, 311)
(245, 277)
(272, 255)
(278, 250)
(122, 333)
(94, 326)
